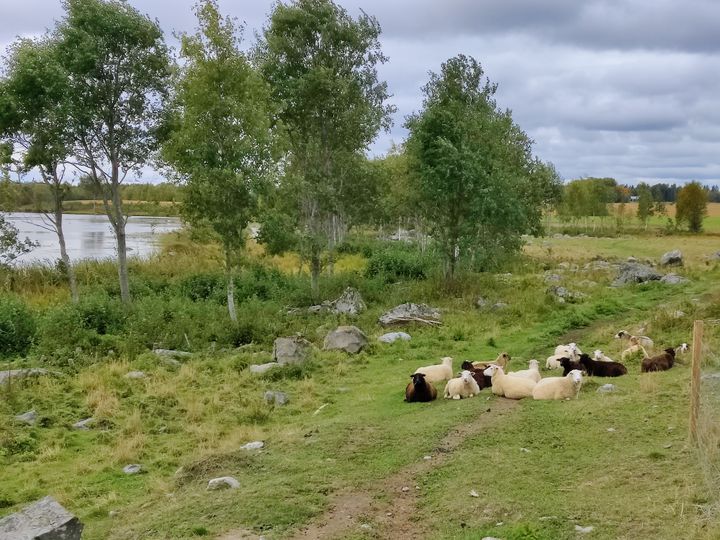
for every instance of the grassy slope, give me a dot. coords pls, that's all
(626, 483)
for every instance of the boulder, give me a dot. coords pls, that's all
(291, 350)
(673, 257)
(392, 337)
(346, 338)
(409, 313)
(349, 303)
(45, 519)
(169, 353)
(8, 374)
(278, 398)
(674, 279)
(262, 368)
(564, 294)
(84, 424)
(552, 278)
(635, 273)
(224, 482)
(28, 418)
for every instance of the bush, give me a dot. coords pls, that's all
(395, 263)
(17, 327)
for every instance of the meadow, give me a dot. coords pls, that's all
(346, 457)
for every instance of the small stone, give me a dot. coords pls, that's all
(366, 527)
(584, 530)
(134, 468)
(499, 306)
(552, 278)
(84, 424)
(673, 257)
(611, 429)
(171, 362)
(607, 388)
(674, 279)
(474, 493)
(392, 337)
(255, 445)
(525, 450)
(113, 513)
(278, 398)
(427, 458)
(489, 538)
(28, 418)
(668, 445)
(135, 375)
(677, 314)
(405, 489)
(223, 482)
(262, 368)
(388, 514)
(547, 518)
(168, 353)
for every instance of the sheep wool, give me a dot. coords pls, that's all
(510, 387)
(532, 373)
(460, 387)
(438, 372)
(566, 387)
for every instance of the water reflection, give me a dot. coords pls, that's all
(90, 236)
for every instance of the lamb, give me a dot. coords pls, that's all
(510, 387)
(502, 360)
(639, 340)
(600, 357)
(634, 348)
(566, 387)
(568, 365)
(438, 372)
(481, 379)
(571, 350)
(532, 373)
(463, 386)
(553, 362)
(419, 389)
(660, 362)
(602, 369)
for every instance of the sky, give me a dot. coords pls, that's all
(628, 89)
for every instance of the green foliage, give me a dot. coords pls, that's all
(691, 206)
(11, 246)
(17, 326)
(587, 197)
(395, 263)
(646, 208)
(477, 183)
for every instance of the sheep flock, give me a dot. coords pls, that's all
(530, 383)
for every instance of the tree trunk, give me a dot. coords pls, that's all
(230, 287)
(315, 273)
(122, 261)
(64, 255)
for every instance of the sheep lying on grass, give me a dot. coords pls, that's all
(635, 349)
(660, 362)
(554, 361)
(568, 365)
(460, 387)
(566, 387)
(532, 373)
(638, 340)
(419, 389)
(502, 360)
(481, 379)
(438, 372)
(571, 351)
(510, 387)
(602, 369)
(600, 357)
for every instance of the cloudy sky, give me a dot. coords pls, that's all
(622, 88)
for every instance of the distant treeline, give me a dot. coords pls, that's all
(662, 192)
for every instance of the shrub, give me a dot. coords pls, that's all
(396, 263)
(17, 327)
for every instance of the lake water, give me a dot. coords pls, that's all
(90, 236)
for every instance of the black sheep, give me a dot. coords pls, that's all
(661, 362)
(602, 369)
(482, 380)
(419, 389)
(568, 365)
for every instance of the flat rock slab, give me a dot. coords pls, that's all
(392, 337)
(133, 468)
(85, 424)
(262, 368)
(633, 272)
(224, 482)
(674, 279)
(45, 519)
(9, 374)
(29, 417)
(278, 398)
(346, 338)
(255, 445)
(169, 353)
(291, 350)
(411, 313)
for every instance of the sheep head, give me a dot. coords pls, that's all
(447, 361)
(467, 365)
(466, 376)
(585, 359)
(564, 361)
(576, 376)
(534, 364)
(621, 334)
(670, 351)
(683, 348)
(503, 356)
(598, 354)
(418, 379)
(491, 370)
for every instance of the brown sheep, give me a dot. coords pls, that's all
(419, 389)
(660, 362)
(482, 380)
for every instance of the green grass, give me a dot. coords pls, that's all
(186, 425)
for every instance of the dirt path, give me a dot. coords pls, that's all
(389, 508)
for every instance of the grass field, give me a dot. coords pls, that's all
(347, 458)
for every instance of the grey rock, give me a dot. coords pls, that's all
(715, 256)
(254, 445)
(564, 294)
(550, 278)
(584, 530)
(29, 417)
(409, 313)
(674, 279)
(133, 468)
(392, 337)
(278, 398)
(171, 362)
(84, 424)
(135, 375)
(224, 482)
(169, 353)
(291, 350)
(598, 265)
(349, 303)
(262, 368)
(673, 257)
(635, 273)
(8, 374)
(346, 338)
(45, 519)
(366, 527)
(711, 376)
(499, 306)
(481, 302)
(677, 314)
(607, 388)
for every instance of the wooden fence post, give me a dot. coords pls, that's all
(695, 380)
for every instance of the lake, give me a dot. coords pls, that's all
(90, 236)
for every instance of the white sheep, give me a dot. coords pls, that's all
(438, 372)
(532, 373)
(510, 387)
(502, 360)
(460, 387)
(566, 387)
(571, 351)
(639, 340)
(553, 362)
(600, 357)
(634, 348)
